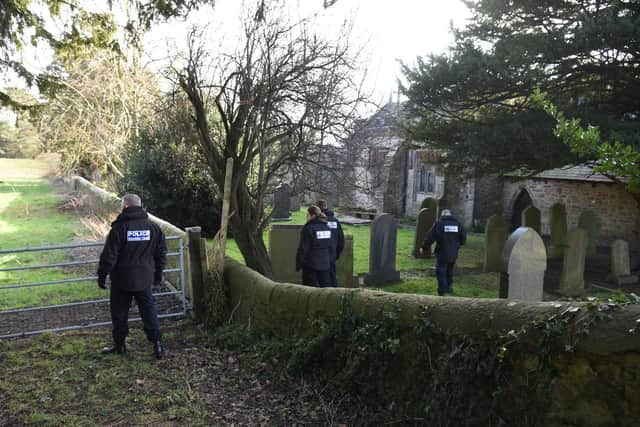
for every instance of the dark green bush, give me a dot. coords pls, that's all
(166, 169)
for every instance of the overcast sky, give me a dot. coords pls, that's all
(390, 30)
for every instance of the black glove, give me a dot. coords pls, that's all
(101, 282)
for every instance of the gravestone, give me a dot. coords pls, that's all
(294, 203)
(589, 222)
(283, 245)
(430, 203)
(382, 252)
(621, 265)
(524, 261)
(572, 278)
(344, 266)
(531, 218)
(496, 234)
(426, 218)
(558, 230)
(281, 203)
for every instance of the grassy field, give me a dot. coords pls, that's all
(29, 217)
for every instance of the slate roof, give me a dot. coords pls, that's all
(581, 172)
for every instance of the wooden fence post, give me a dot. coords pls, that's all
(195, 262)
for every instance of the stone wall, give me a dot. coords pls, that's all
(458, 197)
(486, 199)
(614, 206)
(599, 386)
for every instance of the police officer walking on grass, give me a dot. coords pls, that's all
(315, 250)
(449, 235)
(134, 257)
(337, 239)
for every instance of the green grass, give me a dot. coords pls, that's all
(29, 217)
(470, 258)
(63, 380)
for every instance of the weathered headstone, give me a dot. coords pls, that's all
(281, 203)
(558, 224)
(344, 266)
(620, 264)
(426, 218)
(531, 218)
(524, 261)
(295, 203)
(382, 252)
(495, 236)
(572, 278)
(283, 245)
(430, 203)
(590, 222)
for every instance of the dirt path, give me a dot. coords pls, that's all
(62, 379)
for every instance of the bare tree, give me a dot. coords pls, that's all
(284, 89)
(98, 108)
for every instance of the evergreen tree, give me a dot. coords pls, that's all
(475, 101)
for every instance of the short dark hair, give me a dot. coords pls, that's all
(132, 200)
(322, 204)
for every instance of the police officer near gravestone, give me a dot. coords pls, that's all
(134, 257)
(449, 235)
(315, 250)
(337, 239)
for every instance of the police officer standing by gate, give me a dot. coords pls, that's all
(449, 235)
(315, 250)
(337, 239)
(134, 256)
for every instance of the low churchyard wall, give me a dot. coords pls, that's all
(579, 363)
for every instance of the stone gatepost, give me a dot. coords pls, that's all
(558, 224)
(382, 252)
(524, 261)
(495, 236)
(531, 218)
(426, 218)
(572, 278)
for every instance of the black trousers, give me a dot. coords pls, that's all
(316, 278)
(333, 275)
(444, 273)
(121, 302)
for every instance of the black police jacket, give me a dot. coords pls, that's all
(135, 252)
(449, 235)
(315, 250)
(337, 235)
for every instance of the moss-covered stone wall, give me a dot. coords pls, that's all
(599, 384)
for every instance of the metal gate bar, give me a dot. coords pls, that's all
(180, 293)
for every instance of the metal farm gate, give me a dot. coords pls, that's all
(72, 300)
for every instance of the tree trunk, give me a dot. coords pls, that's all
(252, 246)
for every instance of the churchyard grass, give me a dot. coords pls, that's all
(480, 284)
(29, 217)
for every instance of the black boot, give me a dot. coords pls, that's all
(115, 349)
(158, 349)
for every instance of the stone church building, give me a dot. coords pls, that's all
(386, 172)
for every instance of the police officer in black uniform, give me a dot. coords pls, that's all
(337, 239)
(449, 235)
(315, 250)
(134, 256)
